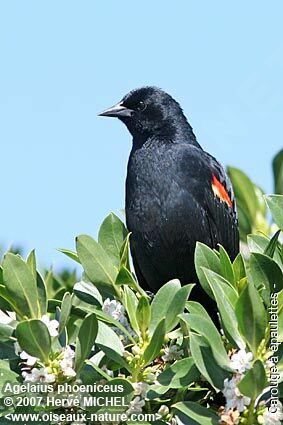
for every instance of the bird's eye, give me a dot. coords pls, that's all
(141, 106)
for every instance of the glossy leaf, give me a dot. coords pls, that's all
(87, 292)
(66, 306)
(226, 268)
(196, 308)
(251, 316)
(190, 413)
(71, 254)
(265, 274)
(217, 281)
(125, 277)
(6, 375)
(34, 338)
(143, 314)
(85, 340)
(5, 331)
(277, 166)
(226, 302)
(124, 252)
(180, 374)
(177, 306)
(130, 303)
(111, 236)
(42, 294)
(156, 342)
(208, 330)
(272, 245)
(96, 263)
(239, 268)
(244, 191)
(254, 381)
(161, 302)
(21, 285)
(205, 362)
(206, 257)
(108, 341)
(275, 204)
(31, 262)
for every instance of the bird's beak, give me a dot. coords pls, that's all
(118, 110)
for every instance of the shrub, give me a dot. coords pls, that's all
(104, 336)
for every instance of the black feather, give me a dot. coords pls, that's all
(170, 203)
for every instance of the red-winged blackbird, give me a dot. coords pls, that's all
(176, 193)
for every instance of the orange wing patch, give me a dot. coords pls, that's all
(220, 191)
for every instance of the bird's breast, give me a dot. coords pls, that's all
(150, 190)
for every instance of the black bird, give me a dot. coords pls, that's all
(176, 193)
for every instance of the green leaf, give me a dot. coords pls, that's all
(7, 351)
(205, 362)
(272, 245)
(196, 308)
(87, 292)
(125, 277)
(130, 303)
(106, 337)
(31, 262)
(206, 257)
(124, 253)
(108, 319)
(275, 204)
(85, 340)
(260, 243)
(208, 330)
(277, 166)
(156, 342)
(217, 281)
(239, 268)
(245, 223)
(6, 375)
(66, 306)
(96, 263)
(265, 274)
(42, 295)
(177, 306)
(108, 341)
(254, 381)
(111, 236)
(251, 316)
(181, 374)
(34, 338)
(226, 268)
(5, 331)
(226, 301)
(161, 302)
(257, 243)
(244, 191)
(143, 314)
(190, 413)
(7, 302)
(21, 285)
(71, 254)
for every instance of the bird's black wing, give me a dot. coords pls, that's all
(221, 209)
(213, 191)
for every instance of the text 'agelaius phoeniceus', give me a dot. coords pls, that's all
(176, 193)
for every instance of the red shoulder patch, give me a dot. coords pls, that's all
(220, 191)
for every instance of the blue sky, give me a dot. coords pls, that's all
(62, 62)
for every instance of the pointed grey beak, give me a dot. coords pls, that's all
(116, 111)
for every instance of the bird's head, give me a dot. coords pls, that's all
(149, 112)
